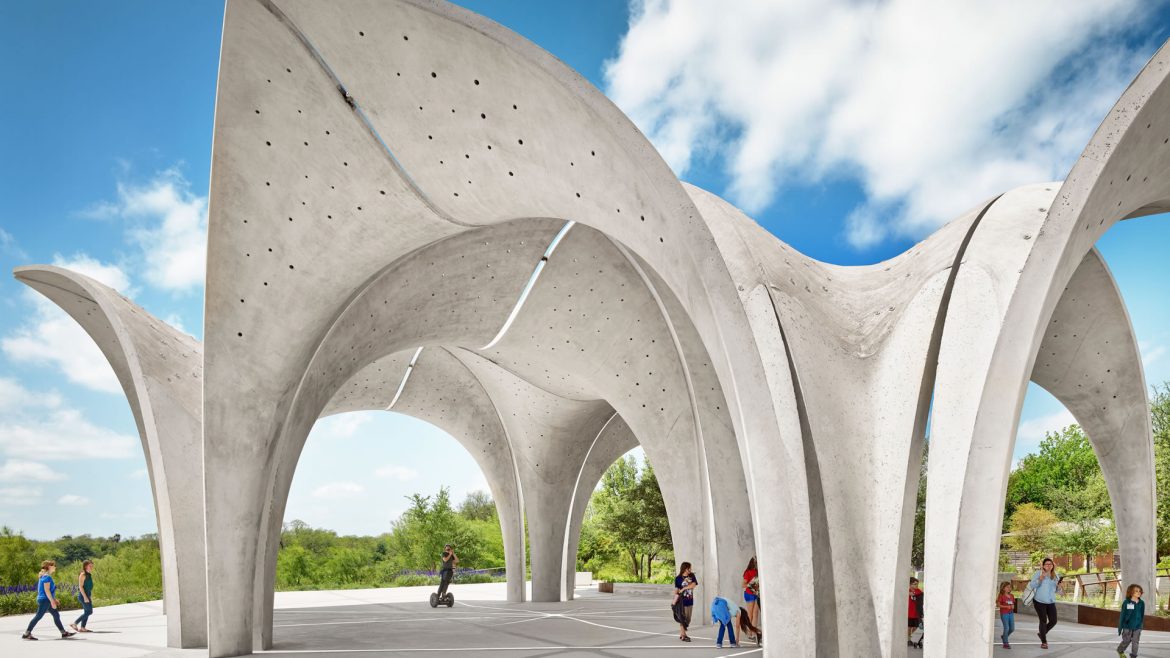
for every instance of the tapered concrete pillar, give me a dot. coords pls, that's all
(1015, 272)
(1090, 361)
(551, 437)
(614, 440)
(160, 369)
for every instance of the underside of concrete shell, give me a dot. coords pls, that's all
(413, 209)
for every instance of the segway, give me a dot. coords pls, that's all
(447, 599)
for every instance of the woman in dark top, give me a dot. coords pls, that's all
(84, 596)
(450, 561)
(684, 587)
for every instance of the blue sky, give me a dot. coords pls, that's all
(847, 129)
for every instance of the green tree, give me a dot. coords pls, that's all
(1088, 514)
(430, 522)
(1031, 528)
(18, 559)
(1066, 462)
(918, 547)
(1160, 417)
(629, 507)
(478, 506)
(293, 567)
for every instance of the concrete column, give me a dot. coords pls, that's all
(160, 369)
(614, 440)
(1090, 361)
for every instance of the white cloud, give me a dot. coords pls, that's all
(111, 275)
(396, 472)
(18, 470)
(19, 496)
(339, 490)
(931, 106)
(73, 500)
(168, 223)
(1032, 431)
(9, 247)
(340, 426)
(1151, 353)
(51, 337)
(139, 474)
(43, 429)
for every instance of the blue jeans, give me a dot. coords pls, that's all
(730, 633)
(1008, 619)
(86, 611)
(43, 607)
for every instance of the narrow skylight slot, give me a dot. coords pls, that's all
(405, 376)
(531, 282)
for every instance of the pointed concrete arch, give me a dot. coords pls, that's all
(160, 369)
(1015, 272)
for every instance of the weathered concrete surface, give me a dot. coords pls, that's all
(161, 370)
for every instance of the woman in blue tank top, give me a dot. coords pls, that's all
(46, 600)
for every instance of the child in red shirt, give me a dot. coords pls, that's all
(915, 611)
(1007, 611)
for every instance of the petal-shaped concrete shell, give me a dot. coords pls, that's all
(413, 208)
(161, 372)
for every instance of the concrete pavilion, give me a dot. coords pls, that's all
(414, 209)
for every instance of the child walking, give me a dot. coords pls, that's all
(1007, 611)
(1129, 624)
(723, 614)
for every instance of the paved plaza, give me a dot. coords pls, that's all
(398, 622)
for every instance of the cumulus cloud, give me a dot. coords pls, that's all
(18, 470)
(396, 472)
(931, 106)
(339, 490)
(1032, 431)
(50, 337)
(340, 426)
(42, 428)
(168, 223)
(73, 500)
(19, 496)
(8, 246)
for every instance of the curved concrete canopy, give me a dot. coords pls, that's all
(389, 176)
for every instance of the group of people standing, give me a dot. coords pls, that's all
(723, 612)
(47, 599)
(1041, 594)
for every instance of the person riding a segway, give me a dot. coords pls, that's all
(446, 573)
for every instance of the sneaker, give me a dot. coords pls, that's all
(735, 645)
(67, 634)
(718, 646)
(686, 638)
(27, 636)
(1043, 645)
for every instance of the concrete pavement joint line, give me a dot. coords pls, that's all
(395, 621)
(405, 376)
(563, 647)
(531, 282)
